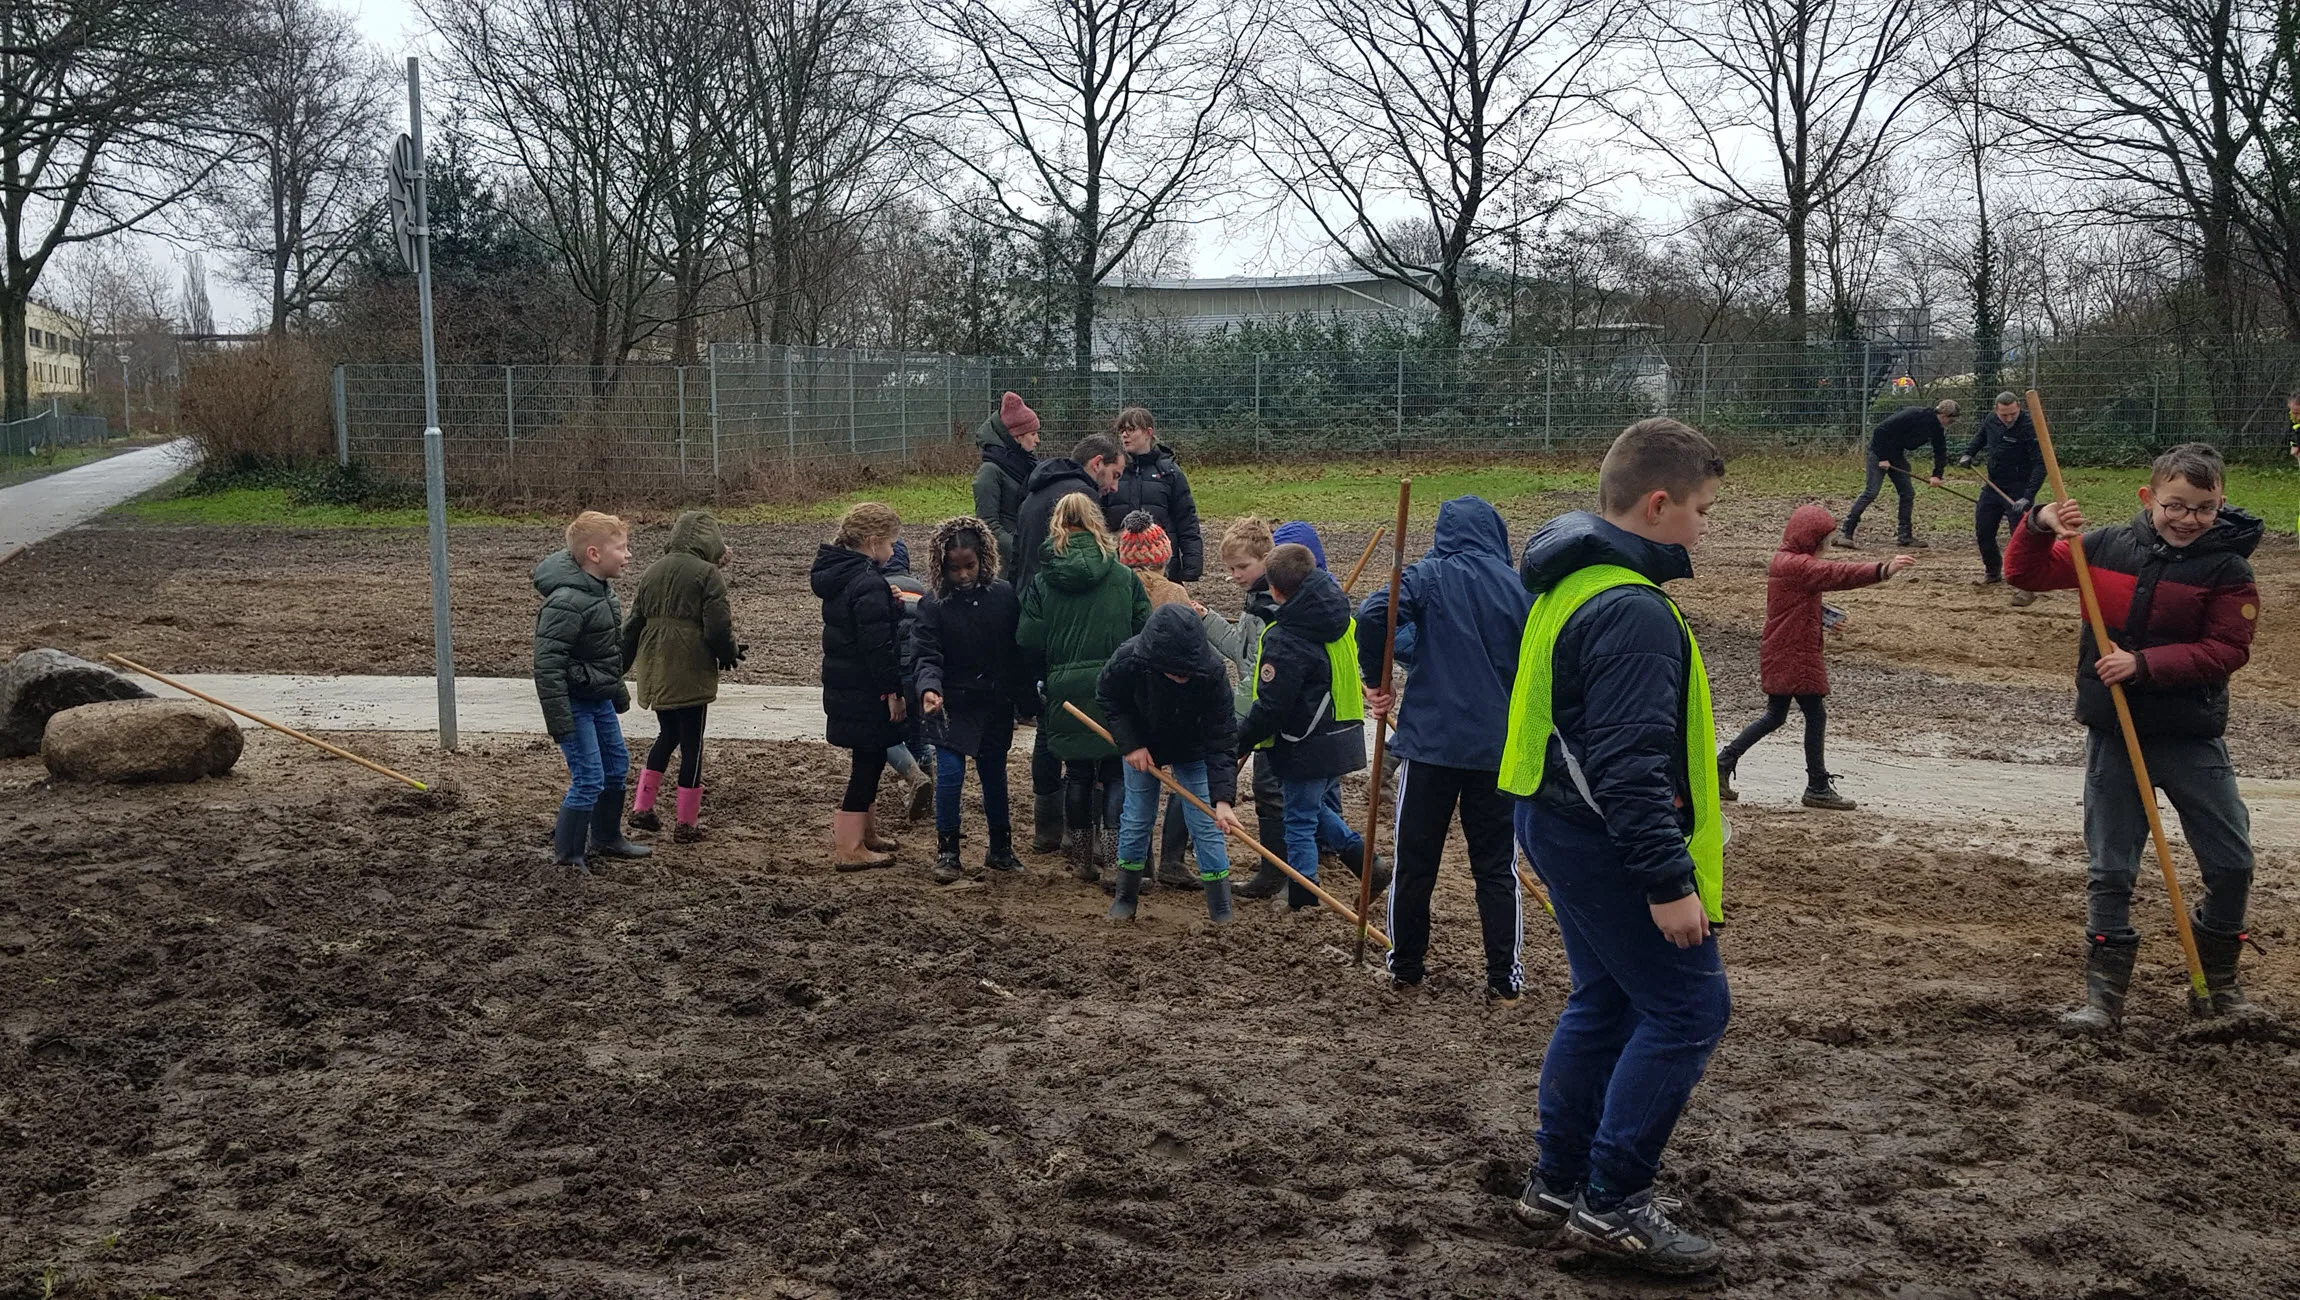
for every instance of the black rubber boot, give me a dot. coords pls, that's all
(1045, 823)
(1823, 794)
(1640, 1233)
(1001, 855)
(1173, 847)
(2218, 954)
(1264, 883)
(2107, 974)
(568, 836)
(1725, 790)
(607, 828)
(1297, 897)
(1129, 888)
(1355, 860)
(946, 868)
(1218, 900)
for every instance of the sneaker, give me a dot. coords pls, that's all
(1503, 999)
(1912, 542)
(1823, 794)
(2023, 599)
(1845, 541)
(1544, 1208)
(1987, 580)
(1640, 1233)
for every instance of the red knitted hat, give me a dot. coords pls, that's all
(1018, 418)
(1142, 544)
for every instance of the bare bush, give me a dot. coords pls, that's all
(267, 402)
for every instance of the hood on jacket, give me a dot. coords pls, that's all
(1174, 641)
(992, 433)
(1809, 528)
(1080, 567)
(1050, 472)
(1301, 534)
(1149, 460)
(999, 448)
(1470, 526)
(559, 569)
(984, 544)
(2237, 530)
(836, 567)
(1318, 612)
(697, 533)
(1578, 539)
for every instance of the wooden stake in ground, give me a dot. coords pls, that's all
(1273, 859)
(1381, 733)
(1360, 566)
(2102, 645)
(132, 666)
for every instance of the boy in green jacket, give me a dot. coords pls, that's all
(579, 680)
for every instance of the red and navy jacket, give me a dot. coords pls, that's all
(2187, 614)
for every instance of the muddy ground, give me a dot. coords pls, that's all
(296, 1032)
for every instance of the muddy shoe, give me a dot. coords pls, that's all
(1046, 834)
(1823, 794)
(946, 870)
(568, 836)
(687, 833)
(1500, 999)
(1264, 883)
(1844, 540)
(2023, 599)
(1129, 889)
(1725, 790)
(1912, 542)
(1355, 861)
(1078, 849)
(1640, 1233)
(1987, 580)
(2107, 974)
(921, 805)
(1542, 1207)
(1218, 908)
(645, 821)
(2218, 954)
(1001, 857)
(1175, 873)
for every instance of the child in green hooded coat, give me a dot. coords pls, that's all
(679, 637)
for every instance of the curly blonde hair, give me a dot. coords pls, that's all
(867, 521)
(1075, 514)
(1247, 538)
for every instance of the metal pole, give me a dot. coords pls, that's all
(1703, 400)
(1861, 406)
(902, 398)
(1548, 395)
(510, 419)
(949, 397)
(1401, 426)
(1257, 402)
(854, 442)
(790, 408)
(342, 422)
(679, 379)
(434, 452)
(714, 420)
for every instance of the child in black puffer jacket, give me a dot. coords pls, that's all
(972, 682)
(862, 671)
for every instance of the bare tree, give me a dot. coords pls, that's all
(1852, 231)
(1096, 121)
(105, 107)
(1449, 109)
(307, 107)
(1827, 88)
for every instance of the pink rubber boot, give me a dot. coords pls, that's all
(690, 814)
(643, 804)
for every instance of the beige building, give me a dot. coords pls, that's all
(58, 356)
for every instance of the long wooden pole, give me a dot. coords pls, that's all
(132, 666)
(1360, 567)
(1256, 845)
(2102, 645)
(1381, 733)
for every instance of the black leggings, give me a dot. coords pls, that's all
(862, 780)
(682, 729)
(1776, 713)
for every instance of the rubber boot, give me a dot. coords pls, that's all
(1823, 794)
(920, 805)
(689, 827)
(1173, 843)
(2223, 995)
(1264, 883)
(607, 827)
(1078, 832)
(1046, 830)
(2107, 974)
(1001, 855)
(848, 852)
(946, 868)
(568, 836)
(1355, 860)
(1129, 888)
(643, 802)
(874, 841)
(1218, 908)
(1725, 790)
(1298, 897)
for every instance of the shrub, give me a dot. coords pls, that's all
(265, 402)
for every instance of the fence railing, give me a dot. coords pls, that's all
(49, 429)
(766, 409)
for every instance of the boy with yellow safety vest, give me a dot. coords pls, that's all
(1612, 746)
(1309, 712)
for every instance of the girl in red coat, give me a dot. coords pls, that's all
(1789, 661)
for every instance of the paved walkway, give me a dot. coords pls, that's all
(1939, 800)
(33, 512)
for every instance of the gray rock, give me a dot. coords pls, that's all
(141, 740)
(38, 684)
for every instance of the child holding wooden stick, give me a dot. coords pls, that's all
(971, 683)
(579, 680)
(679, 637)
(1166, 698)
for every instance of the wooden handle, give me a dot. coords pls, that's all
(1360, 566)
(1381, 734)
(132, 666)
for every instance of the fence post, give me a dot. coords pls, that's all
(342, 420)
(714, 419)
(1401, 420)
(790, 408)
(902, 398)
(949, 396)
(1861, 405)
(510, 420)
(1257, 403)
(1548, 396)
(1701, 399)
(679, 380)
(854, 442)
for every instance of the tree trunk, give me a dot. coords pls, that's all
(14, 357)
(1988, 331)
(1794, 229)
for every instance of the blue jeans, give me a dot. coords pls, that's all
(1141, 812)
(596, 757)
(1638, 1028)
(950, 778)
(1314, 818)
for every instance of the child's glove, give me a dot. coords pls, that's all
(728, 663)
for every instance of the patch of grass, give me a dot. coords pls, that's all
(278, 506)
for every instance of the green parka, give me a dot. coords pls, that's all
(578, 642)
(1000, 486)
(680, 631)
(1081, 605)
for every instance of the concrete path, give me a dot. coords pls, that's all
(1975, 802)
(36, 511)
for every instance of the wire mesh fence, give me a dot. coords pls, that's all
(50, 429)
(767, 410)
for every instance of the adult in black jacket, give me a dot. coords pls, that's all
(971, 684)
(1166, 696)
(1889, 448)
(2006, 444)
(862, 670)
(1152, 481)
(1092, 469)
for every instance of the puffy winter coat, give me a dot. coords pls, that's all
(2187, 614)
(1253, 619)
(1294, 703)
(1001, 484)
(1906, 430)
(1081, 605)
(1464, 603)
(578, 642)
(2010, 454)
(1617, 698)
(1178, 722)
(681, 630)
(967, 654)
(1789, 659)
(862, 664)
(1050, 482)
(1152, 481)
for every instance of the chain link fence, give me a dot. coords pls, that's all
(51, 429)
(755, 412)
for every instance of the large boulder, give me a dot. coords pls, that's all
(141, 740)
(38, 684)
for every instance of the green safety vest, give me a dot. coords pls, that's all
(1531, 723)
(1347, 696)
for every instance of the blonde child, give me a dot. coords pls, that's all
(579, 681)
(862, 671)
